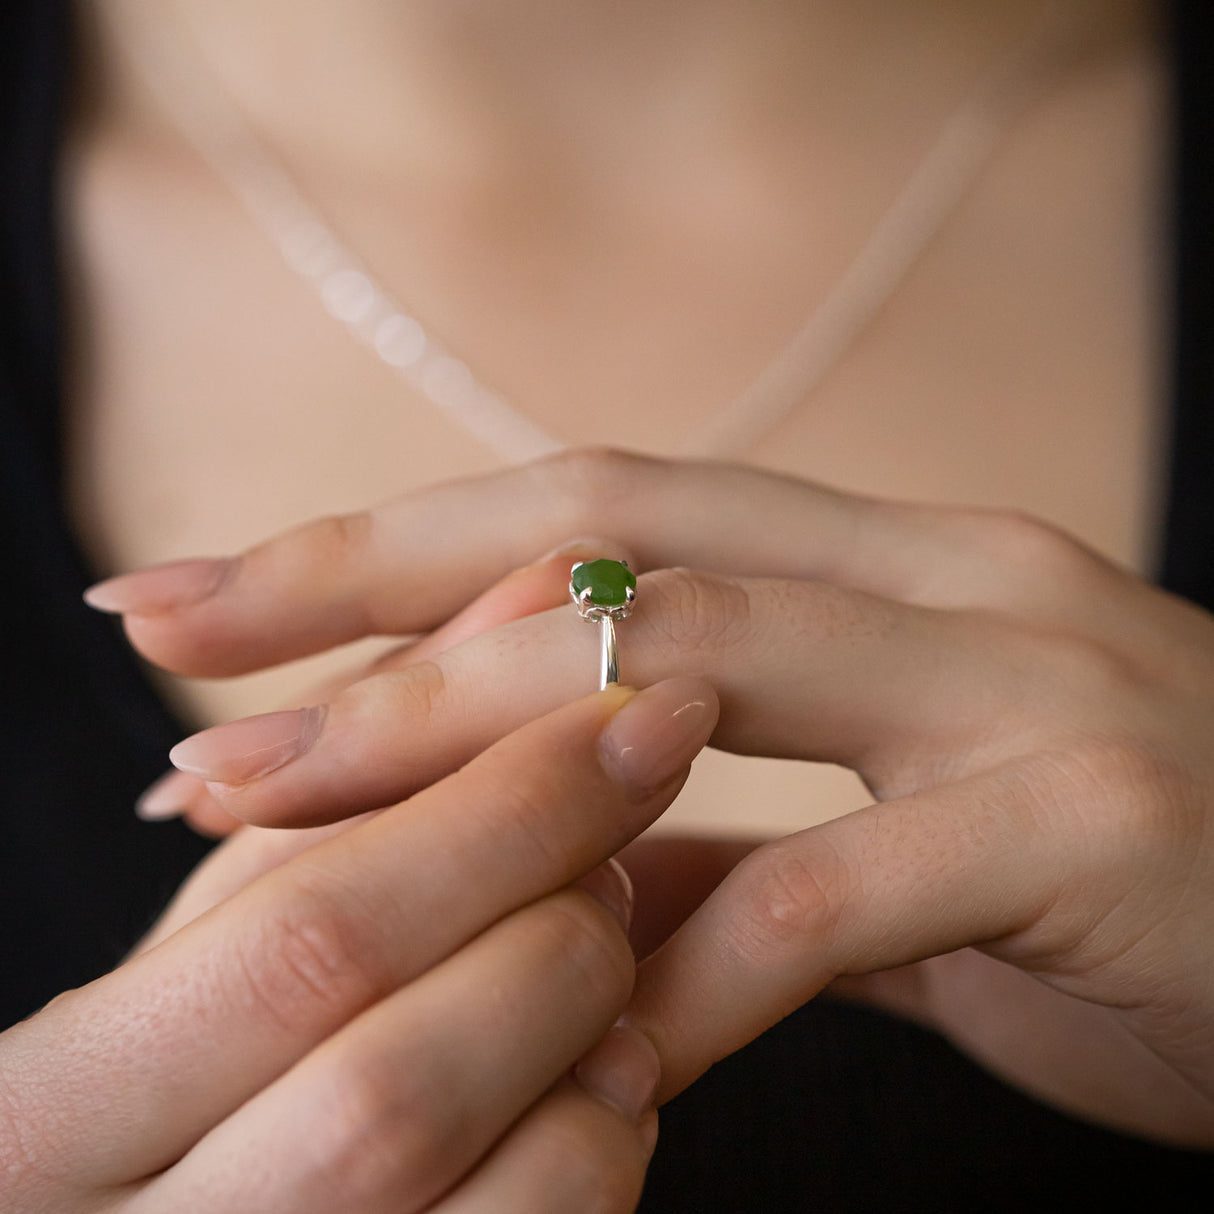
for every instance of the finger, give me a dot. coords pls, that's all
(406, 566)
(804, 670)
(209, 819)
(979, 863)
(165, 1047)
(177, 794)
(570, 1154)
(390, 1112)
(239, 860)
(536, 587)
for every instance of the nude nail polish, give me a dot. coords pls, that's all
(611, 885)
(248, 749)
(658, 732)
(160, 588)
(165, 798)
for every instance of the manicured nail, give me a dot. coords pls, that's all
(168, 797)
(161, 588)
(612, 886)
(658, 733)
(244, 750)
(622, 1071)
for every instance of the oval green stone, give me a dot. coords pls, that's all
(609, 582)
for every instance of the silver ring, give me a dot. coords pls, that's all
(604, 592)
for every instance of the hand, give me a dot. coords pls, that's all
(674, 872)
(1033, 722)
(531, 588)
(384, 1020)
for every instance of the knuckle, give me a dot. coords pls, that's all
(1023, 542)
(417, 691)
(336, 546)
(792, 893)
(697, 611)
(1130, 793)
(590, 486)
(336, 540)
(1134, 823)
(1084, 667)
(306, 960)
(1124, 814)
(382, 1124)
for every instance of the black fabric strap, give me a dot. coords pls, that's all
(32, 75)
(1187, 564)
(81, 729)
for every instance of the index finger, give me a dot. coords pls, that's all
(176, 1039)
(804, 670)
(409, 564)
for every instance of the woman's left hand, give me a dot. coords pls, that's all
(1035, 877)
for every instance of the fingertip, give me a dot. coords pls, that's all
(167, 797)
(180, 795)
(657, 732)
(622, 1072)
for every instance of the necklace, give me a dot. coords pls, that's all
(212, 124)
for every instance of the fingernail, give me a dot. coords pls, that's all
(658, 733)
(612, 886)
(622, 1071)
(161, 588)
(244, 750)
(165, 798)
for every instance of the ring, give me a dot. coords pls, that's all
(604, 592)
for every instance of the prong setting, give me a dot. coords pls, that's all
(584, 595)
(613, 584)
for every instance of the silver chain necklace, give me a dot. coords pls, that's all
(210, 121)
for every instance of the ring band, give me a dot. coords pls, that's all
(604, 592)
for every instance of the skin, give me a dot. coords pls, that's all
(380, 1017)
(1033, 876)
(631, 306)
(617, 214)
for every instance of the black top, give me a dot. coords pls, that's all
(836, 1109)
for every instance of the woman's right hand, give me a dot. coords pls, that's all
(387, 1020)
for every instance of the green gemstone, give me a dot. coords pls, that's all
(609, 582)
